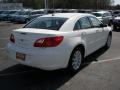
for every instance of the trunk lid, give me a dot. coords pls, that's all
(26, 37)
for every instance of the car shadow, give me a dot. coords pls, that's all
(94, 56)
(20, 77)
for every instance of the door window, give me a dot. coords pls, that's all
(85, 23)
(95, 22)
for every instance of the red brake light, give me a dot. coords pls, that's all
(48, 42)
(12, 39)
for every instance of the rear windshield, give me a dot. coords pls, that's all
(50, 23)
(97, 14)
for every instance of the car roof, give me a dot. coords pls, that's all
(102, 12)
(67, 15)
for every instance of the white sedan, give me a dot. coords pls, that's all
(58, 41)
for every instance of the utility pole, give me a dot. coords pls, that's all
(46, 6)
(112, 4)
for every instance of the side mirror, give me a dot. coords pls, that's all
(103, 25)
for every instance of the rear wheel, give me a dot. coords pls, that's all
(75, 60)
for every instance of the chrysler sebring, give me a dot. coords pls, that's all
(60, 40)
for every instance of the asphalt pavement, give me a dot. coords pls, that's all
(99, 71)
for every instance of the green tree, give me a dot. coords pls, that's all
(87, 4)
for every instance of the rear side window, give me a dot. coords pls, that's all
(77, 26)
(85, 23)
(50, 23)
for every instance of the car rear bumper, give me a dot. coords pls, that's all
(46, 59)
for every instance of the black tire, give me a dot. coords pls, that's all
(108, 42)
(71, 64)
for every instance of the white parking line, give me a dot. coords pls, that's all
(101, 61)
(107, 60)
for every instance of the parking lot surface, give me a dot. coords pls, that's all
(99, 71)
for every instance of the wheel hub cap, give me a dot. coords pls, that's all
(76, 60)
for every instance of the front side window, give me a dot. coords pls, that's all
(50, 23)
(85, 23)
(95, 22)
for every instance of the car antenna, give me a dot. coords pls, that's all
(53, 8)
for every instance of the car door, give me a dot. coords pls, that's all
(100, 32)
(89, 35)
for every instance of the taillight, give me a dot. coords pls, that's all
(12, 39)
(48, 42)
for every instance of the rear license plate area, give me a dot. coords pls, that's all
(20, 56)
